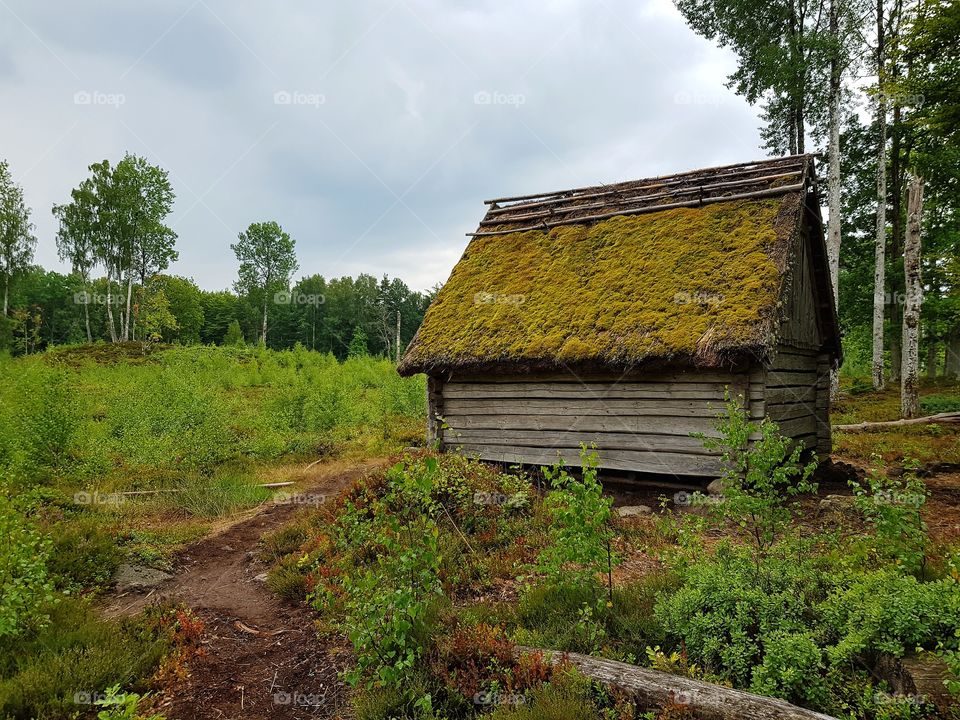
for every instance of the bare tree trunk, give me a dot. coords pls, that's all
(263, 326)
(126, 315)
(880, 243)
(910, 383)
(86, 315)
(833, 201)
(398, 337)
(113, 329)
(6, 293)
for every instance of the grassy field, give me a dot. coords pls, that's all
(428, 574)
(109, 455)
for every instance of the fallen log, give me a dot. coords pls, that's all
(654, 689)
(947, 417)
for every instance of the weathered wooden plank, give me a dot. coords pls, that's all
(648, 462)
(789, 361)
(790, 411)
(609, 407)
(434, 407)
(629, 390)
(546, 438)
(787, 378)
(585, 423)
(799, 426)
(689, 376)
(777, 396)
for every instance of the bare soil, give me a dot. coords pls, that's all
(262, 657)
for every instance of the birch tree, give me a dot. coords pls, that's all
(880, 242)
(267, 260)
(17, 242)
(909, 373)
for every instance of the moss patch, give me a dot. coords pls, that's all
(684, 282)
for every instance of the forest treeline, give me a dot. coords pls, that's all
(113, 234)
(871, 86)
(47, 308)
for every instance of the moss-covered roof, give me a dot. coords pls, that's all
(694, 284)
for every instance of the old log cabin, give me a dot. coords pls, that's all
(620, 314)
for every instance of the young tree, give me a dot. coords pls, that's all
(115, 218)
(267, 260)
(909, 392)
(358, 343)
(233, 335)
(17, 242)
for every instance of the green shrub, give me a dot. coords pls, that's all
(83, 554)
(76, 656)
(579, 528)
(25, 589)
(934, 404)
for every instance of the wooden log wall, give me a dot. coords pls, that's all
(641, 423)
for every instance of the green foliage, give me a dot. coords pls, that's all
(358, 343)
(579, 527)
(234, 335)
(759, 477)
(25, 589)
(76, 656)
(893, 508)
(121, 706)
(934, 404)
(385, 603)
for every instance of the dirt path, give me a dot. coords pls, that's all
(262, 657)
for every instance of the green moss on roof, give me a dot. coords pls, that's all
(689, 282)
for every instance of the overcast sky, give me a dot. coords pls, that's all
(372, 130)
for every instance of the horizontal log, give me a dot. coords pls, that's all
(643, 425)
(948, 417)
(799, 426)
(652, 689)
(608, 407)
(609, 441)
(794, 362)
(796, 394)
(660, 463)
(689, 376)
(790, 411)
(788, 378)
(629, 390)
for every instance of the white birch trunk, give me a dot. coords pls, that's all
(910, 382)
(833, 200)
(880, 245)
(113, 329)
